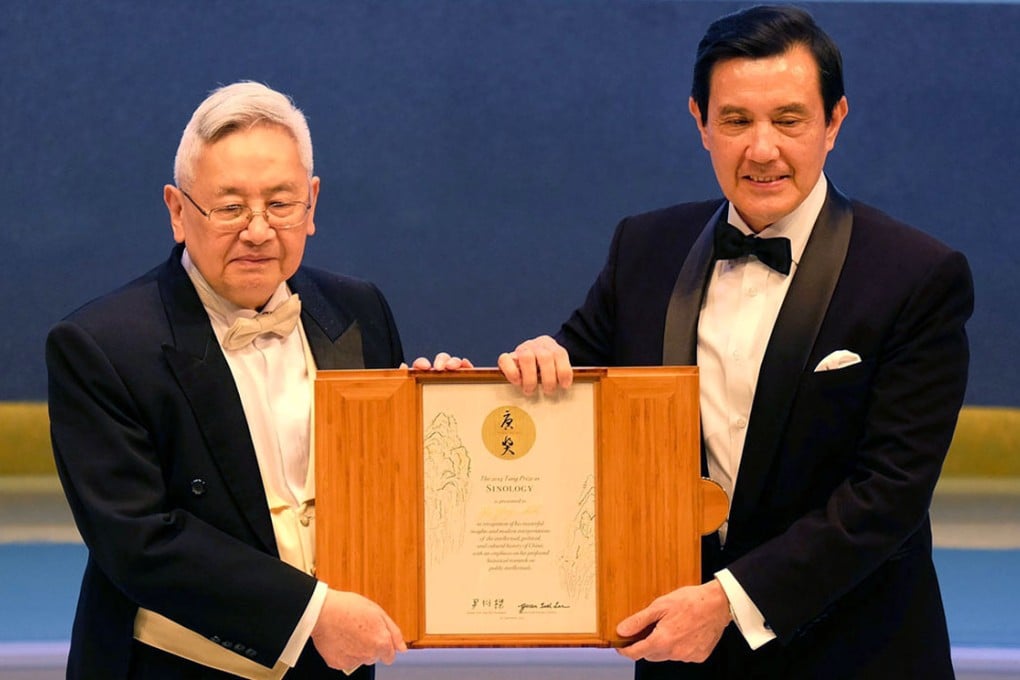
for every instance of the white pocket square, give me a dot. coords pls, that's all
(841, 358)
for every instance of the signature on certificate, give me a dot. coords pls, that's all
(526, 606)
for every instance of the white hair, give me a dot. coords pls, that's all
(239, 106)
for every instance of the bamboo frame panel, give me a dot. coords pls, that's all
(652, 505)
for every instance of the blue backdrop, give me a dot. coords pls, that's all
(475, 155)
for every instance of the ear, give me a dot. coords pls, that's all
(692, 106)
(313, 198)
(839, 113)
(175, 206)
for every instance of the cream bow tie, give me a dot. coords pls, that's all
(280, 321)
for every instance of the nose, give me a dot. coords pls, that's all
(762, 146)
(258, 229)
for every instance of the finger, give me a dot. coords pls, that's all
(456, 363)
(635, 623)
(346, 663)
(553, 363)
(395, 635)
(630, 653)
(549, 381)
(507, 363)
(564, 371)
(527, 364)
(466, 363)
(645, 648)
(547, 371)
(387, 654)
(420, 364)
(440, 362)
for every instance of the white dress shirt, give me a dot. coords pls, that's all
(737, 317)
(274, 377)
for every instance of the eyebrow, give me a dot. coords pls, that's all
(799, 109)
(234, 191)
(795, 108)
(730, 110)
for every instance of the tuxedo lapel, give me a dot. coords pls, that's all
(205, 378)
(680, 337)
(334, 338)
(793, 337)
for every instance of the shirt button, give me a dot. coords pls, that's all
(198, 487)
(304, 520)
(741, 423)
(752, 292)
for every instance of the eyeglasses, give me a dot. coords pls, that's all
(236, 217)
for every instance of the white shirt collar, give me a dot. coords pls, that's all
(795, 226)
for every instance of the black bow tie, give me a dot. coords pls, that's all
(731, 243)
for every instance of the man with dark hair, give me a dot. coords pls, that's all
(833, 359)
(767, 32)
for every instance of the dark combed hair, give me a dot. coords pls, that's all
(767, 31)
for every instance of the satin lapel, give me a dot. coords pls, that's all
(793, 337)
(335, 339)
(205, 378)
(680, 337)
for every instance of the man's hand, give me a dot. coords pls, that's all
(353, 631)
(442, 362)
(539, 359)
(688, 623)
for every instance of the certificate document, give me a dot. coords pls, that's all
(509, 507)
(480, 517)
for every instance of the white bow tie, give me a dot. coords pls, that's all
(280, 321)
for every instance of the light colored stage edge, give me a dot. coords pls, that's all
(971, 663)
(33, 510)
(977, 513)
(970, 513)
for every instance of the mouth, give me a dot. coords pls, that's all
(766, 179)
(252, 260)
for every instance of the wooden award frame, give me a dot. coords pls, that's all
(652, 505)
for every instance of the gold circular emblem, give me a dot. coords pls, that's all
(508, 433)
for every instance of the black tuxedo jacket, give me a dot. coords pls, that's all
(829, 531)
(157, 463)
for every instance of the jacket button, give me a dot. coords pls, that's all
(250, 653)
(198, 487)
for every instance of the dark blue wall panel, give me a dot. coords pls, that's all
(475, 155)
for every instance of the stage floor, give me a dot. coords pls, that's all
(977, 536)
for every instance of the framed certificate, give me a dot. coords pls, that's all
(477, 516)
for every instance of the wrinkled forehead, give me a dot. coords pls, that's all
(251, 138)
